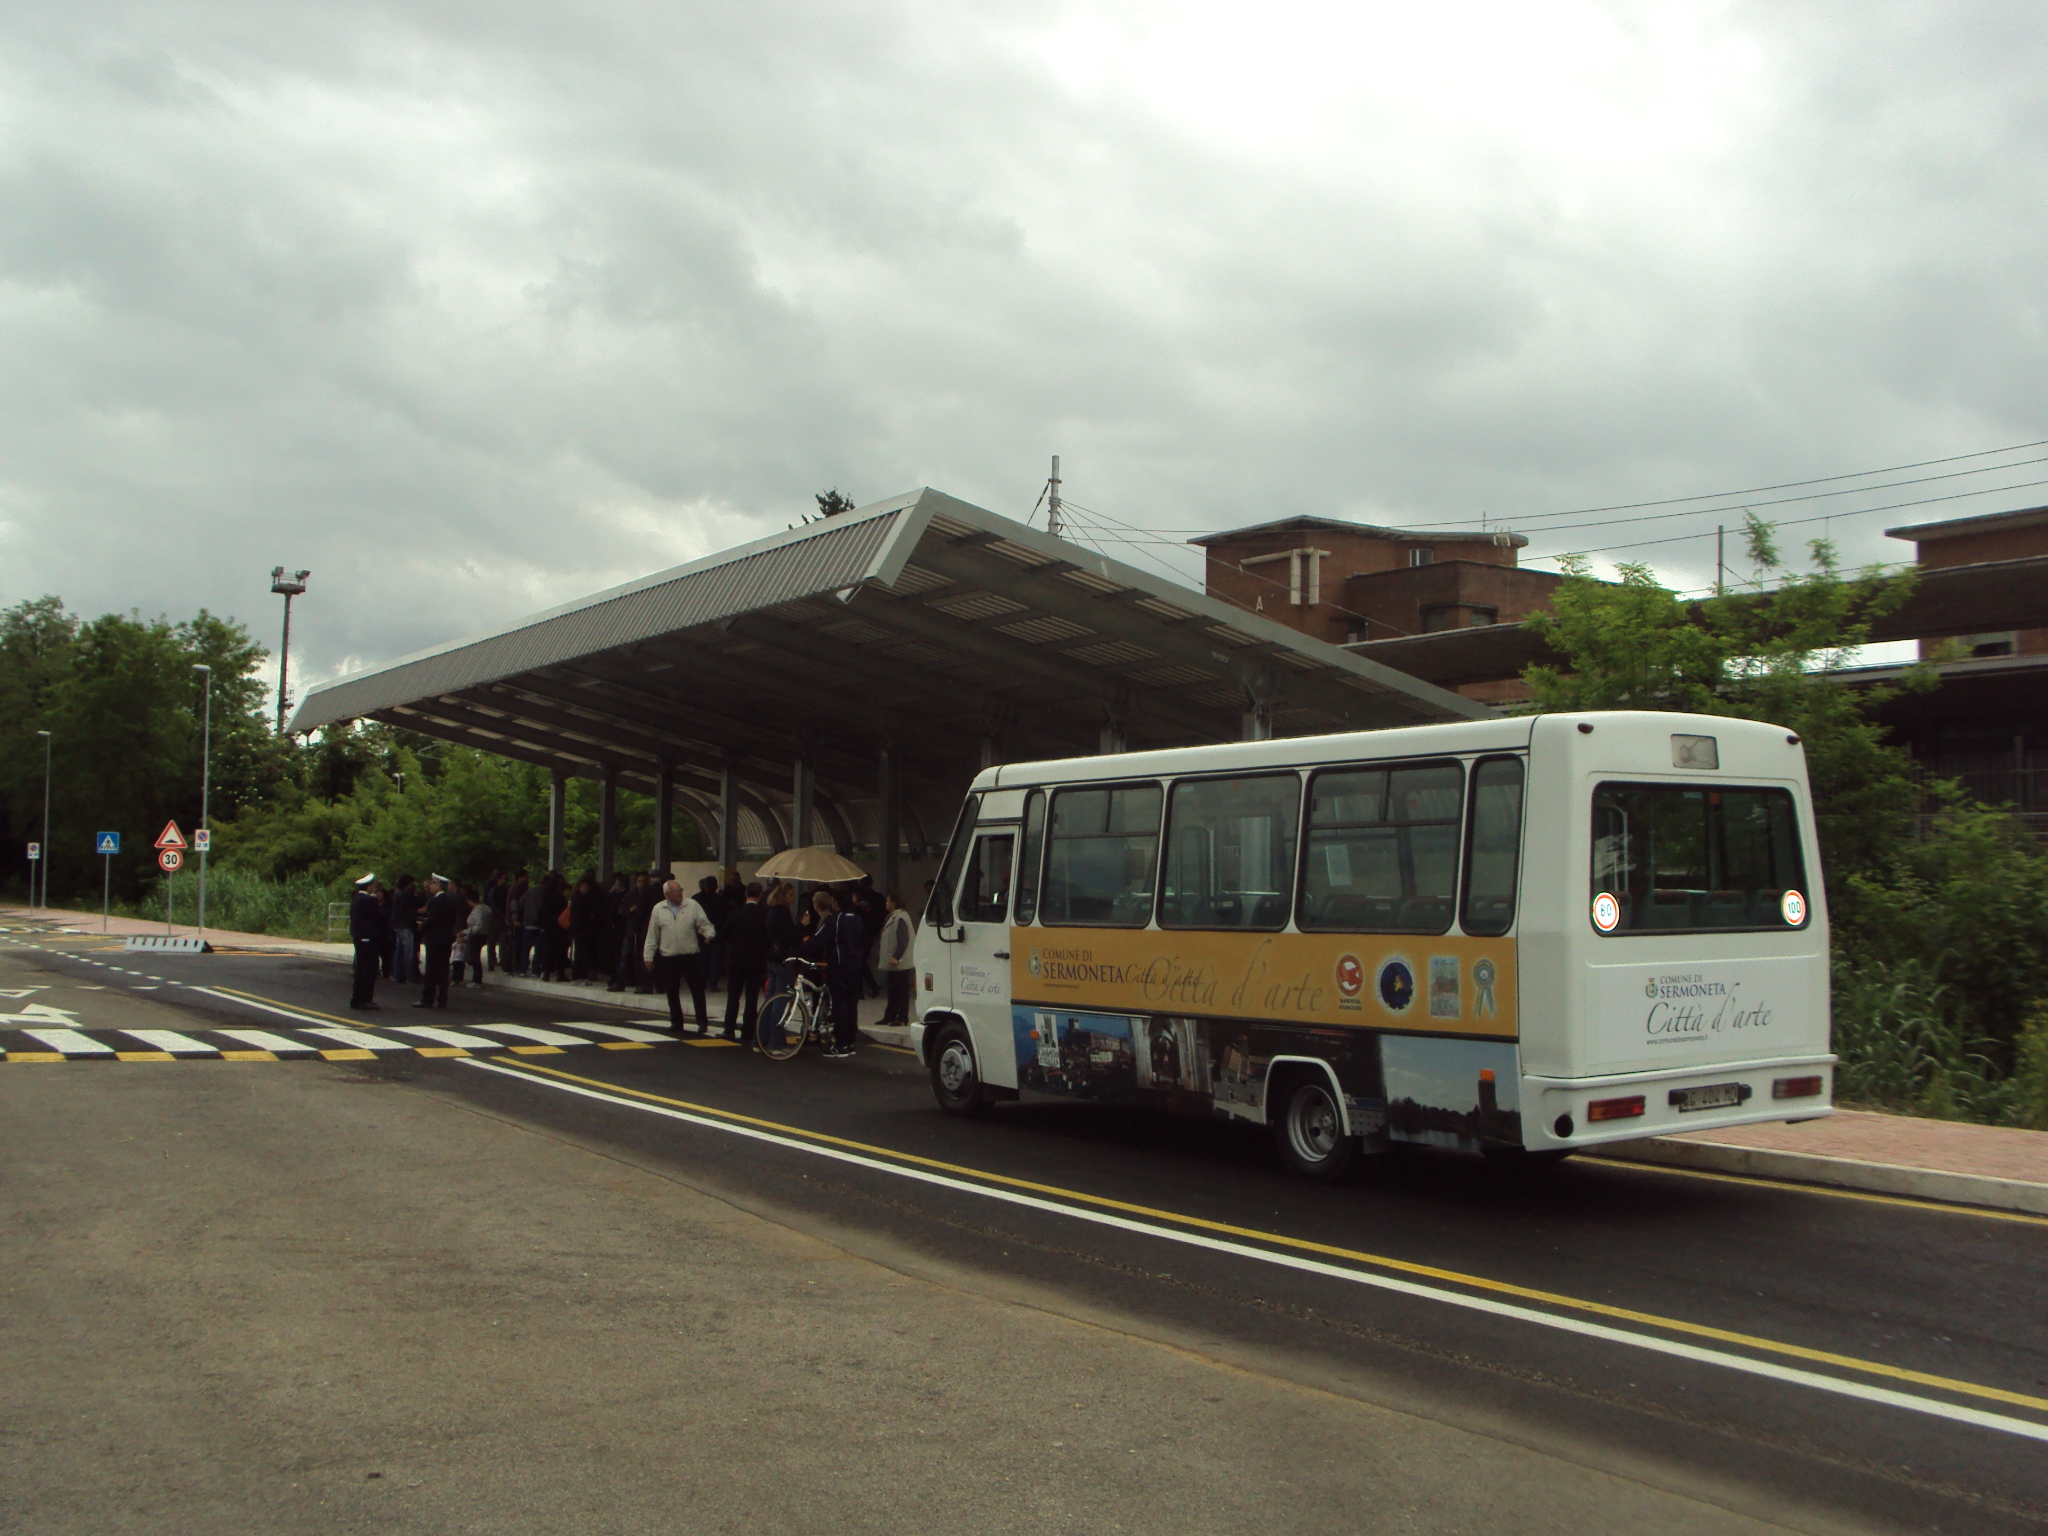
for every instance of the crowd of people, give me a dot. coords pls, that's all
(643, 934)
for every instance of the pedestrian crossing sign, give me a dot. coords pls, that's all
(107, 843)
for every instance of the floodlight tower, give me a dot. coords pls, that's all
(287, 585)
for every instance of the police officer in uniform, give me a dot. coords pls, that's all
(440, 921)
(366, 932)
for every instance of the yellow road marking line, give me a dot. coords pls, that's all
(144, 1056)
(712, 1043)
(35, 1055)
(627, 1045)
(1328, 1250)
(311, 1013)
(248, 1056)
(2024, 1217)
(536, 1050)
(440, 1050)
(348, 1055)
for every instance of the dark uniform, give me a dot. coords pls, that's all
(366, 932)
(439, 920)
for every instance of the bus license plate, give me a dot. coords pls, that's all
(1716, 1096)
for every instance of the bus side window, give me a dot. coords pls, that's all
(985, 893)
(1493, 845)
(1381, 855)
(1230, 853)
(939, 910)
(1027, 868)
(1101, 856)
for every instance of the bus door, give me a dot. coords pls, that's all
(981, 954)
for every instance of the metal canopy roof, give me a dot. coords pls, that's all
(954, 636)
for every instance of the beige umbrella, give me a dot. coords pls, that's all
(816, 863)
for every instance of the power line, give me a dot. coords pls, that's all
(1794, 522)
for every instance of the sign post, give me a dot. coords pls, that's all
(106, 845)
(170, 853)
(35, 859)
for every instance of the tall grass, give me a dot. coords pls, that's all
(239, 901)
(1904, 1045)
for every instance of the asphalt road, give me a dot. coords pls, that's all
(1442, 1344)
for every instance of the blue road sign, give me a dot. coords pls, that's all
(107, 842)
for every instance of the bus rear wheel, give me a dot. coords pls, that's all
(955, 1082)
(1310, 1132)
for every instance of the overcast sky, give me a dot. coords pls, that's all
(474, 308)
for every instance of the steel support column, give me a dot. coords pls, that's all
(803, 783)
(608, 825)
(558, 815)
(728, 815)
(664, 817)
(890, 838)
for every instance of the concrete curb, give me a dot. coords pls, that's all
(1839, 1172)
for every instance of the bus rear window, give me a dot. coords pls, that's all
(1680, 857)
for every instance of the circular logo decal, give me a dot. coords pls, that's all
(1482, 972)
(1650, 987)
(1350, 976)
(1794, 907)
(1606, 912)
(1395, 984)
(1035, 968)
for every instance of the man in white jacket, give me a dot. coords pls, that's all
(677, 932)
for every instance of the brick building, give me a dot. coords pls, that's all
(1346, 582)
(1977, 541)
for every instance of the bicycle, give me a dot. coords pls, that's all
(796, 1013)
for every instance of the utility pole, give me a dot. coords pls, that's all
(1052, 500)
(205, 837)
(287, 586)
(44, 861)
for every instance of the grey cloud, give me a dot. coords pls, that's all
(471, 309)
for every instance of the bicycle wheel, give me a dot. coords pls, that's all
(780, 1032)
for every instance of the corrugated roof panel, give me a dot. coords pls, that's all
(1092, 582)
(1112, 653)
(1044, 630)
(977, 605)
(915, 579)
(830, 559)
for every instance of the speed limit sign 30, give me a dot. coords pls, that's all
(170, 859)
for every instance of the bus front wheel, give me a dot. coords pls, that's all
(955, 1082)
(1310, 1132)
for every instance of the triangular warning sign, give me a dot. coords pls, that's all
(170, 837)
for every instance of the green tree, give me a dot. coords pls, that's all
(123, 706)
(1772, 655)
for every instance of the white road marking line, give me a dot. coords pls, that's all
(356, 1039)
(528, 1032)
(449, 1037)
(245, 1002)
(263, 1040)
(619, 1031)
(170, 1040)
(1693, 1352)
(71, 1042)
(142, 989)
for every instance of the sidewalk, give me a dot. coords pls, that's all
(58, 920)
(1885, 1154)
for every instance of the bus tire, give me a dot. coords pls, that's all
(1310, 1131)
(956, 1080)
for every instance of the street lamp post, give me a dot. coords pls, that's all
(205, 837)
(288, 585)
(45, 859)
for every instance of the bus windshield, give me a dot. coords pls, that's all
(1679, 857)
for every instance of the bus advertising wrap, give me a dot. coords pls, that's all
(1430, 983)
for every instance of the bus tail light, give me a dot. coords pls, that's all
(1615, 1109)
(1796, 1088)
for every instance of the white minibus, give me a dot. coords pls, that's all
(1531, 934)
